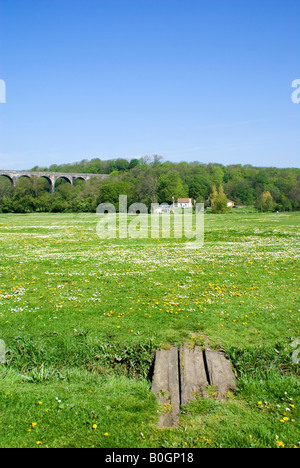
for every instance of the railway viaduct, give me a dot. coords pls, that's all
(52, 177)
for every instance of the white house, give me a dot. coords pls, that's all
(163, 208)
(185, 203)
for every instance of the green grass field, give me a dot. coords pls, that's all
(81, 319)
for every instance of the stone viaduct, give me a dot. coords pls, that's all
(52, 177)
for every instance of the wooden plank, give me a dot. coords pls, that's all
(192, 373)
(178, 378)
(165, 385)
(220, 372)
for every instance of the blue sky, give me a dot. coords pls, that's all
(191, 80)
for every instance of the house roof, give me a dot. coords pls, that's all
(184, 200)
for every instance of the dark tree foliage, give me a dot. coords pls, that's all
(150, 180)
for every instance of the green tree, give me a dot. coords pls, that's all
(133, 163)
(216, 174)
(6, 189)
(152, 180)
(170, 185)
(244, 192)
(147, 188)
(267, 201)
(294, 196)
(196, 191)
(110, 192)
(218, 200)
(122, 164)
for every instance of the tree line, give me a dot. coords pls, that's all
(150, 180)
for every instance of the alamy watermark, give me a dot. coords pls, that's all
(296, 353)
(163, 222)
(2, 352)
(296, 93)
(2, 92)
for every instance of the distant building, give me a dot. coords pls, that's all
(163, 208)
(230, 204)
(185, 203)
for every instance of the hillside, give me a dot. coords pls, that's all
(150, 180)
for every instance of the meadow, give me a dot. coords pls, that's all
(82, 317)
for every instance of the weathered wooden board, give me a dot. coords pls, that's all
(220, 372)
(182, 375)
(165, 385)
(192, 373)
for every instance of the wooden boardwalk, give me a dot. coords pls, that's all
(183, 374)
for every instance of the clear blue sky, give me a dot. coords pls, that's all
(205, 80)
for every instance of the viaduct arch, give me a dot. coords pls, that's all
(52, 177)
